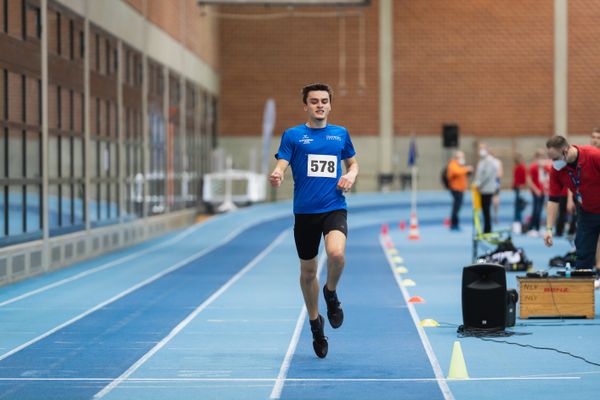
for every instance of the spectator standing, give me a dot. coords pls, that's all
(457, 183)
(537, 182)
(485, 182)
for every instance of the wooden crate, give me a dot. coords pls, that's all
(556, 297)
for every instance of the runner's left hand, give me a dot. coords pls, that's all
(345, 183)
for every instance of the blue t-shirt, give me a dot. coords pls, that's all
(315, 156)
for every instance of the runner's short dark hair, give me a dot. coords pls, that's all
(557, 142)
(316, 86)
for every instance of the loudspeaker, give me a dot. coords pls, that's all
(511, 306)
(484, 298)
(450, 135)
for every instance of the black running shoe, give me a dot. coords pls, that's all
(319, 339)
(335, 314)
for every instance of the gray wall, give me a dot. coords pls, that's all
(432, 157)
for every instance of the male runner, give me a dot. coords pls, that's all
(315, 151)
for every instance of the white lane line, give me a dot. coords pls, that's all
(287, 360)
(125, 375)
(442, 382)
(383, 380)
(122, 260)
(124, 293)
(102, 267)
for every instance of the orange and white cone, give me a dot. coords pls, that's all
(385, 229)
(413, 231)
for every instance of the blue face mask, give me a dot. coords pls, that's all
(559, 164)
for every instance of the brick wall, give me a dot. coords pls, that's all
(485, 65)
(584, 59)
(138, 5)
(194, 26)
(276, 57)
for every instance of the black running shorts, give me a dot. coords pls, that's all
(308, 229)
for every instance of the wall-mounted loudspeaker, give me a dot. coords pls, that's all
(450, 135)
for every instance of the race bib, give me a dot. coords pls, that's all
(322, 166)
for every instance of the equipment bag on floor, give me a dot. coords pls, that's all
(506, 254)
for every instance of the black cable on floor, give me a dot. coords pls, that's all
(487, 335)
(542, 348)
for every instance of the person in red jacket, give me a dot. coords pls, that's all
(595, 141)
(537, 182)
(519, 184)
(578, 169)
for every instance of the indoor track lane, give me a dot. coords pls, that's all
(377, 353)
(107, 342)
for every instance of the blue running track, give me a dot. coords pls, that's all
(215, 312)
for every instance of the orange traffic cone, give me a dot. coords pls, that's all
(416, 299)
(402, 225)
(385, 229)
(413, 231)
(447, 221)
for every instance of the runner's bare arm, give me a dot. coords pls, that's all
(346, 181)
(276, 177)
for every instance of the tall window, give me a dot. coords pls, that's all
(200, 132)
(66, 191)
(175, 145)
(156, 140)
(192, 134)
(20, 124)
(104, 153)
(20, 147)
(133, 135)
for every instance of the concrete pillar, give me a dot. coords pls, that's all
(561, 71)
(45, 168)
(386, 94)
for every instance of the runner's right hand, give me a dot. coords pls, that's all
(276, 178)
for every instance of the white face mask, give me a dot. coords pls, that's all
(559, 164)
(483, 153)
(461, 161)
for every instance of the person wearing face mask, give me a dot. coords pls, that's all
(485, 181)
(537, 181)
(578, 169)
(458, 173)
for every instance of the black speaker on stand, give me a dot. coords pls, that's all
(450, 135)
(484, 298)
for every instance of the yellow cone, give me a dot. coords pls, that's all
(392, 251)
(408, 282)
(398, 259)
(458, 368)
(429, 323)
(401, 270)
